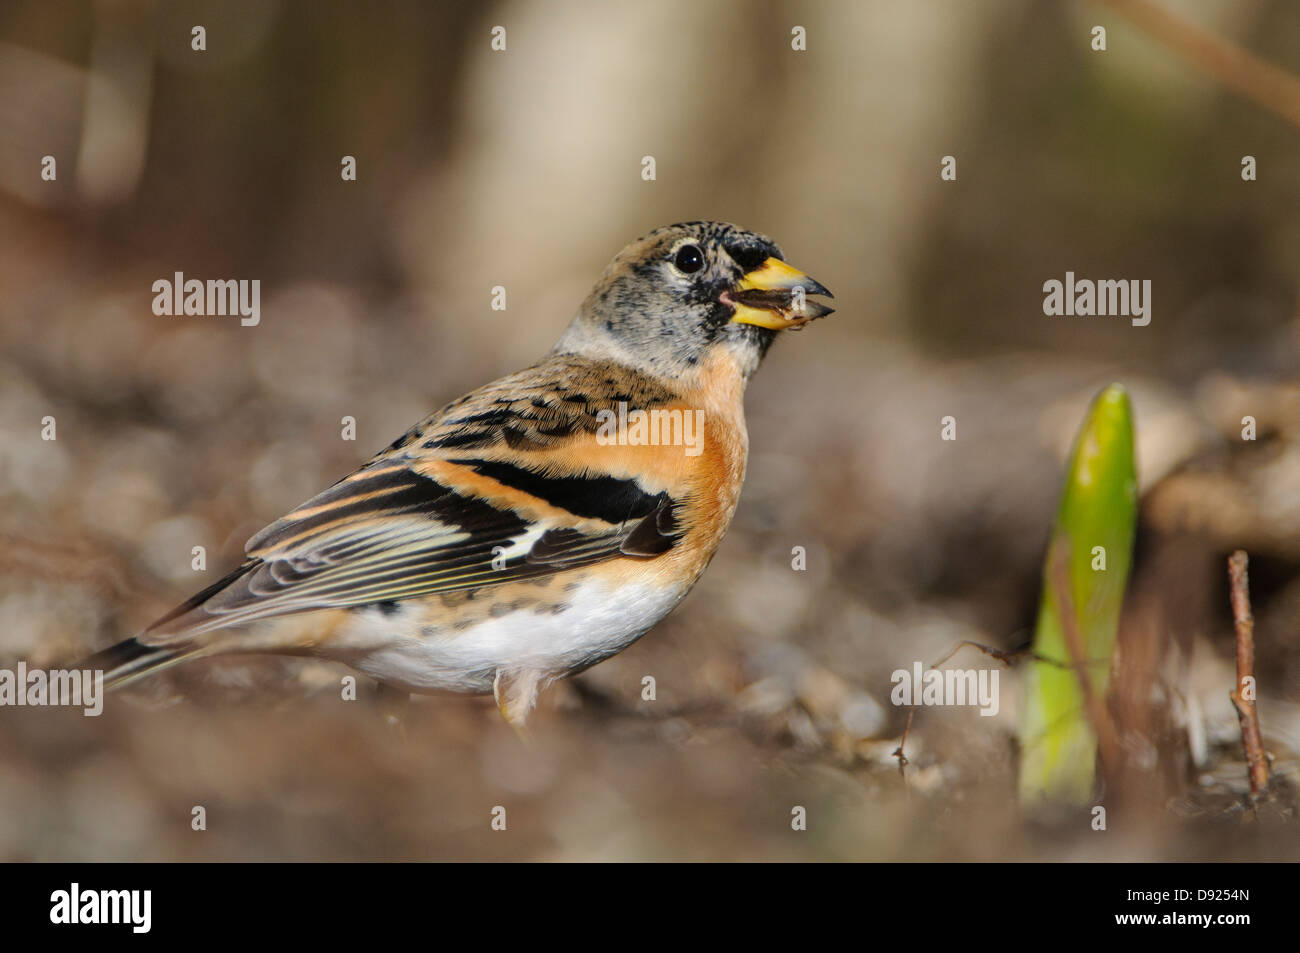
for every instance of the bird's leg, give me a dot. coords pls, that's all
(516, 694)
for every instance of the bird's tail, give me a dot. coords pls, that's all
(131, 659)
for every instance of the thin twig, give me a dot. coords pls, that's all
(1244, 701)
(902, 742)
(1007, 658)
(1241, 71)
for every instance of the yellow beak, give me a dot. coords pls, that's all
(775, 296)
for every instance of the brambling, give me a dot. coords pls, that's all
(539, 524)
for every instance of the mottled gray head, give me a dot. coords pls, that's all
(669, 297)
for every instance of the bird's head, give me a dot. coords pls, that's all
(671, 296)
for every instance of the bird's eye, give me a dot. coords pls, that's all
(689, 259)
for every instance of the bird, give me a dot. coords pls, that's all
(539, 524)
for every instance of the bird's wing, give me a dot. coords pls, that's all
(497, 487)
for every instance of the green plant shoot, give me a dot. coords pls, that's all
(1084, 578)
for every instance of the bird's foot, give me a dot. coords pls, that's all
(516, 693)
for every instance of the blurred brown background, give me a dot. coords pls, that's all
(522, 168)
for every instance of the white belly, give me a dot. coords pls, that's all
(596, 625)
